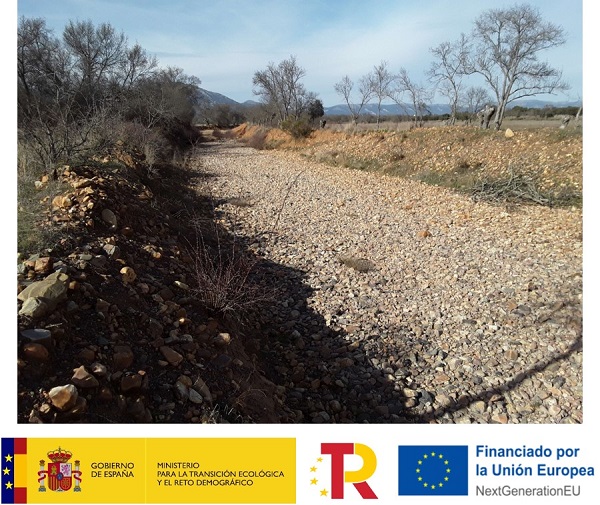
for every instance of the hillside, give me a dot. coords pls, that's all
(111, 324)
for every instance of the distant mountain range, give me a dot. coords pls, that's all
(435, 108)
(212, 98)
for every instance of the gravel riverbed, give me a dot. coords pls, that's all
(405, 302)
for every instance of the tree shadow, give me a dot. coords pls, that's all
(496, 394)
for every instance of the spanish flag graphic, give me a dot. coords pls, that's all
(14, 470)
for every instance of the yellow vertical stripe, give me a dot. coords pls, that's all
(20, 470)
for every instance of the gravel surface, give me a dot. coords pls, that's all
(405, 302)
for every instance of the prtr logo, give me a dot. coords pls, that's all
(340, 476)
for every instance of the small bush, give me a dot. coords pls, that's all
(258, 140)
(298, 129)
(150, 142)
(34, 233)
(224, 277)
(329, 157)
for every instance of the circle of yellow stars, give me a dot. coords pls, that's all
(314, 481)
(432, 456)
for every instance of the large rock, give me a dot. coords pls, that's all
(130, 383)
(83, 379)
(62, 202)
(52, 290)
(63, 397)
(108, 216)
(38, 336)
(172, 356)
(43, 265)
(34, 308)
(36, 352)
(128, 275)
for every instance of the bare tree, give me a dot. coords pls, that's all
(508, 43)
(474, 99)
(448, 71)
(97, 54)
(42, 67)
(417, 94)
(365, 92)
(164, 98)
(50, 113)
(136, 64)
(281, 90)
(72, 92)
(381, 81)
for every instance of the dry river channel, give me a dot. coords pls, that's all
(399, 302)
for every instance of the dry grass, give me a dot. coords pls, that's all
(398, 126)
(456, 157)
(34, 205)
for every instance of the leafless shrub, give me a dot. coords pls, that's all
(35, 233)
(224, 277)
(257, 140)
(152, 144)
(329, 157)
(516, 188)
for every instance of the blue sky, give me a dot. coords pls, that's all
(223, 42)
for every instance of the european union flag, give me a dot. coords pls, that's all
(14, 487)
(433, 470)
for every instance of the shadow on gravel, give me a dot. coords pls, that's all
(327, 375)
(285, 363)
(321, 372)
(324, 373)
(495, 394)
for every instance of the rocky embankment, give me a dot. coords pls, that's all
(110, 329)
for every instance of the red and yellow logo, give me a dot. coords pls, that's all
(331, 479)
